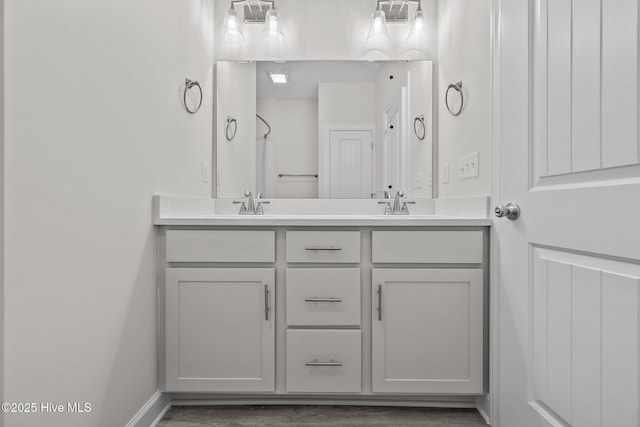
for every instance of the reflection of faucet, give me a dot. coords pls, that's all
(249, 206)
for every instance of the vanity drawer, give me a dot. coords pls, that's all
(323, 246)
(323, 296)
(220, 246)
(460, 247)
(323, 361)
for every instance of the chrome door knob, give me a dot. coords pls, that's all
(510, 210)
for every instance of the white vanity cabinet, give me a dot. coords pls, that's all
(311, 313)
(427, 323)
(427, 331)
(323, 312)
(219, 322)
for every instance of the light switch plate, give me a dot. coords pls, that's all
(445, 173)
(469, 166)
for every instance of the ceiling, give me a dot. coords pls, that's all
(304, 77)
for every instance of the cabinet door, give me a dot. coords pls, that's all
(427, 331)
(220, 329)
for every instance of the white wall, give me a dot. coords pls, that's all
(294, 145)
(464, 54)
(327, 29)
(2, 211)
(236, 98)
(342, 106)
(94, 126)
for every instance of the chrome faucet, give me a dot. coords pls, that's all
(399, 206)
(249, 206)
(396, 200)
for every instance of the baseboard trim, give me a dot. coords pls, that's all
(151, 412)
(188, 399)
(484, 415)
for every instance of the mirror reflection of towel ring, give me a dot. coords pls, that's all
(419, 128)
(189, 84)
(232, 128)
(458, 88)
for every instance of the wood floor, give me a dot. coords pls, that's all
(319, 416)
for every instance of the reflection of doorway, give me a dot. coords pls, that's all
(350, 157)
(395, 146)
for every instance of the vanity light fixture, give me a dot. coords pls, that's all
(278, 78)
(395, 11)
(418, 26)
(378, 29)
(231, 30)
(254, 11)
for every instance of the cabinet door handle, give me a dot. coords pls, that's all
(314, 299)
(316, 363)
(380, 302)
(267, 308)
(323, 248)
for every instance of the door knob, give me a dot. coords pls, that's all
(510, 210)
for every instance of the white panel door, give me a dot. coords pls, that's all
(427, 331)
(566, 274)
(220, 329)
(350, 153)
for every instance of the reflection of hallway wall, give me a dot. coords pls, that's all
(418, 77)
(293, 146)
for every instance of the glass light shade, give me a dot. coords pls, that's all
(272, 32)
(378, 30)
(418, 27)
(231, 30)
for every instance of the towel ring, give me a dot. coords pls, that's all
(420, 134)
(458, 88)
(231, 129)
(189, 84)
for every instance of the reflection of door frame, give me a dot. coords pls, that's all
(402, 100)
(324, 181)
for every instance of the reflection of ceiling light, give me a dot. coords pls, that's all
(278, 78)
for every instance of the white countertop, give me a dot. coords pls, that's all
(190, 211)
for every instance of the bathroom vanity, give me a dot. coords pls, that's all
(341, 302)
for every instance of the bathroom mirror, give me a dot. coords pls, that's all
(327, 129)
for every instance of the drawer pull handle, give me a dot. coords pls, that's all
(323, 299)
(267, 308)
(323, 248)
(380, 302)
(330, 363)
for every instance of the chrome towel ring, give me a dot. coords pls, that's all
(458, 88)
(419, 128)
(231, 129)
(189, 84)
